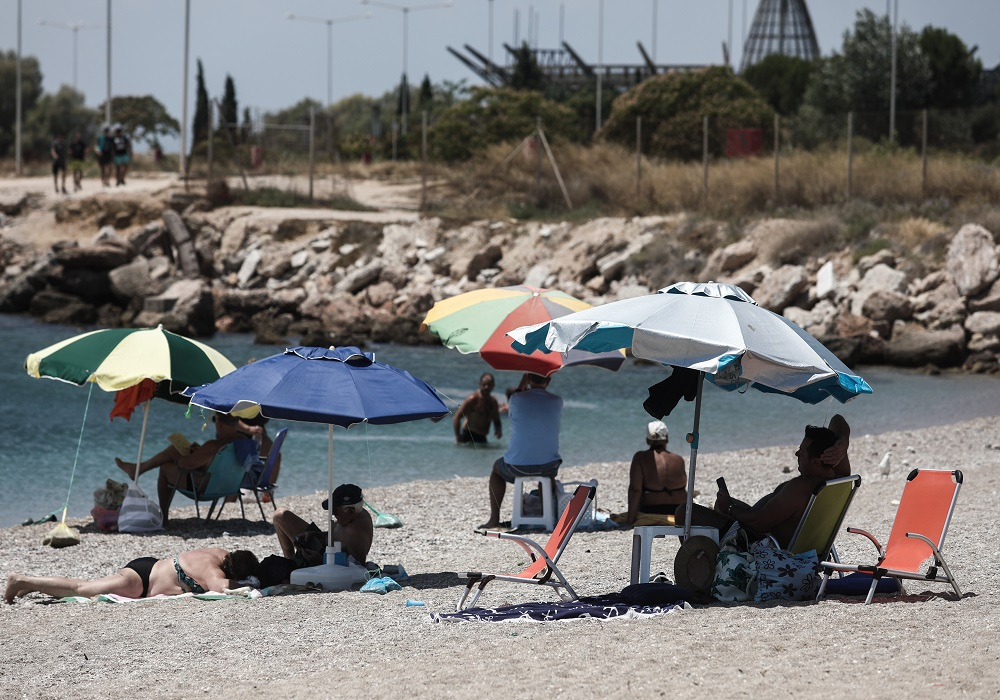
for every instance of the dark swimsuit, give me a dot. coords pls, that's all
(469, 436)
(184, 580)
(660, 508)
(144, 567)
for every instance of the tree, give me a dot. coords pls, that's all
(858, 79)
(199, 126)
(426, 98)
(64, 112)
(246, 127)
(781, 80)
(527, 75)
(673, 106)
(954, 69)
(500, 115)
(144, 118)
(401, 104)
(229, 112)
(31, 91)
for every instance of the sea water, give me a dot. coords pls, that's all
(51, 454)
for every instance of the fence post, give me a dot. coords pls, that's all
(312, 148)
(211, 138)
(704, 157)
(923, 146)
(538, 152)
(395, 129)
(423, 159)
(638, 158)
(777, 157)
(850, 153)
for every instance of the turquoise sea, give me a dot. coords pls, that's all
(603, 421)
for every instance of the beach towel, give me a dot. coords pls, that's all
(244, 593)
(608, 607)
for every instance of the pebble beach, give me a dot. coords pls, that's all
(926, 643)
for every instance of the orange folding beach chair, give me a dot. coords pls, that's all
(543, 570)
(917, 534)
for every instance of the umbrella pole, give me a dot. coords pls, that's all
(329, 495)
(142, 439)
(693, 439)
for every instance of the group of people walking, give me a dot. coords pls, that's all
(112, 151)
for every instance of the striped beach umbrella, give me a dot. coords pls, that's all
(477, 322)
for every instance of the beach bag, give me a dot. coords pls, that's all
(138, 513)
(310, 547)
(735, 573)
(563, 498)
(782, 575)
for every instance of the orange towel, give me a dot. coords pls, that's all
(127, 399)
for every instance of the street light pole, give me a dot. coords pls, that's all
(17, 98)
(329, 22)
(182, 159)
(600, 58)
(892, 87)
(107, 102)
(406, 9)
(74, 27)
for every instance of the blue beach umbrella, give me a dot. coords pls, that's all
(337, 386)
(717, 330)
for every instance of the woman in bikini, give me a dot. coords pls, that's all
(657, 479)
(196, 571)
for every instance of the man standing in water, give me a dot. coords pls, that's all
(478, 411)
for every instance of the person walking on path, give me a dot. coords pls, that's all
(58, 153)
(104, 156)
(77, 154)
(122, 148)
(535, 417)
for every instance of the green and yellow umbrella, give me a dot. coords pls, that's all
(120, 358)
(477, 321)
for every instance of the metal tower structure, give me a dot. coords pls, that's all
(780, 27)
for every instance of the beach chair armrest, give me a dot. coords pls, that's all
(527, 544)
(871, 538)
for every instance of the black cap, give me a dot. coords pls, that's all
(344, 495)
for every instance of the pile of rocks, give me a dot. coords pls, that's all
(330, 281)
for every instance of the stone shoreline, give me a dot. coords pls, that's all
(349, 643)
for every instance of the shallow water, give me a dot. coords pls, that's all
(603, 420)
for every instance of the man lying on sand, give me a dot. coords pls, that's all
(196, 571)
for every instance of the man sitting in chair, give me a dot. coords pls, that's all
(353, 528)
(778, 513)
(192, 459)
(535, 415)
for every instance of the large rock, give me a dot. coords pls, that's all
(12, 203)
(17, 291)
(101, 257)
(185, 307)
(359, 278)
(134, 280)
(56, 307)
(820, 321)
(880, 277)
(983, 322)
(988, 301)
(782, 287)
(884, 308)
(917, 347)
(972, 260)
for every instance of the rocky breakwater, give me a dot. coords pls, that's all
(334, 281)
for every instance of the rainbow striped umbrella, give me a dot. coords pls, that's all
(478, 322)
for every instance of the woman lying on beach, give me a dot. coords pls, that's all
(196, 571)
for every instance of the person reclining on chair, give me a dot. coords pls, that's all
(173, 463)
(778, 513)
(194, 571)
(353, 527)
(535, 415)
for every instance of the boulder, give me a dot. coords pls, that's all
(134, 280)
(880, 277)
(185, 307)
(826, 281)
(882, 257)
(380, 294)
(972, 260)
(988, 301)
(917, 347)
(983, 323)
(56, 307)
(820, 321)
(736, 255)
(489, 257)
(12, 203)
(359, 278)
(884, 307)
(780, 288)
(17, 291)
(93, 286)
(100, 257)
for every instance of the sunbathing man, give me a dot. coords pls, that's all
(195, 461)
(478, 410)
(195, 571)
(778, 513)
(353, 527)
(657, 481)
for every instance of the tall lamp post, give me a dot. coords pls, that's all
(406, 9)
(107, 102)
(329, 22)
(600, 59)
(74, 27)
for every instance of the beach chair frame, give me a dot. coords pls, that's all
(927, 504)
(263, 484)
(823, 517)
(225, 478)
(543, 569)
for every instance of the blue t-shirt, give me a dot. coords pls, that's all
(535, 415)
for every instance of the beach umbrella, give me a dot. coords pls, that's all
(716, 330)
(476, 322)
(337, 386)
(119, 359)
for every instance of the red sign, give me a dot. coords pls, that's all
(743, 142)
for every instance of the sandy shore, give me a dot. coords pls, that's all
(348, 643)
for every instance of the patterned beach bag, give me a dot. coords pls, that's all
(782, 575)
(735, 573)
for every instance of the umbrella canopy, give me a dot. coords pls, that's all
(118, 358)
(337, 386)
(478, 321)
(717, 330)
